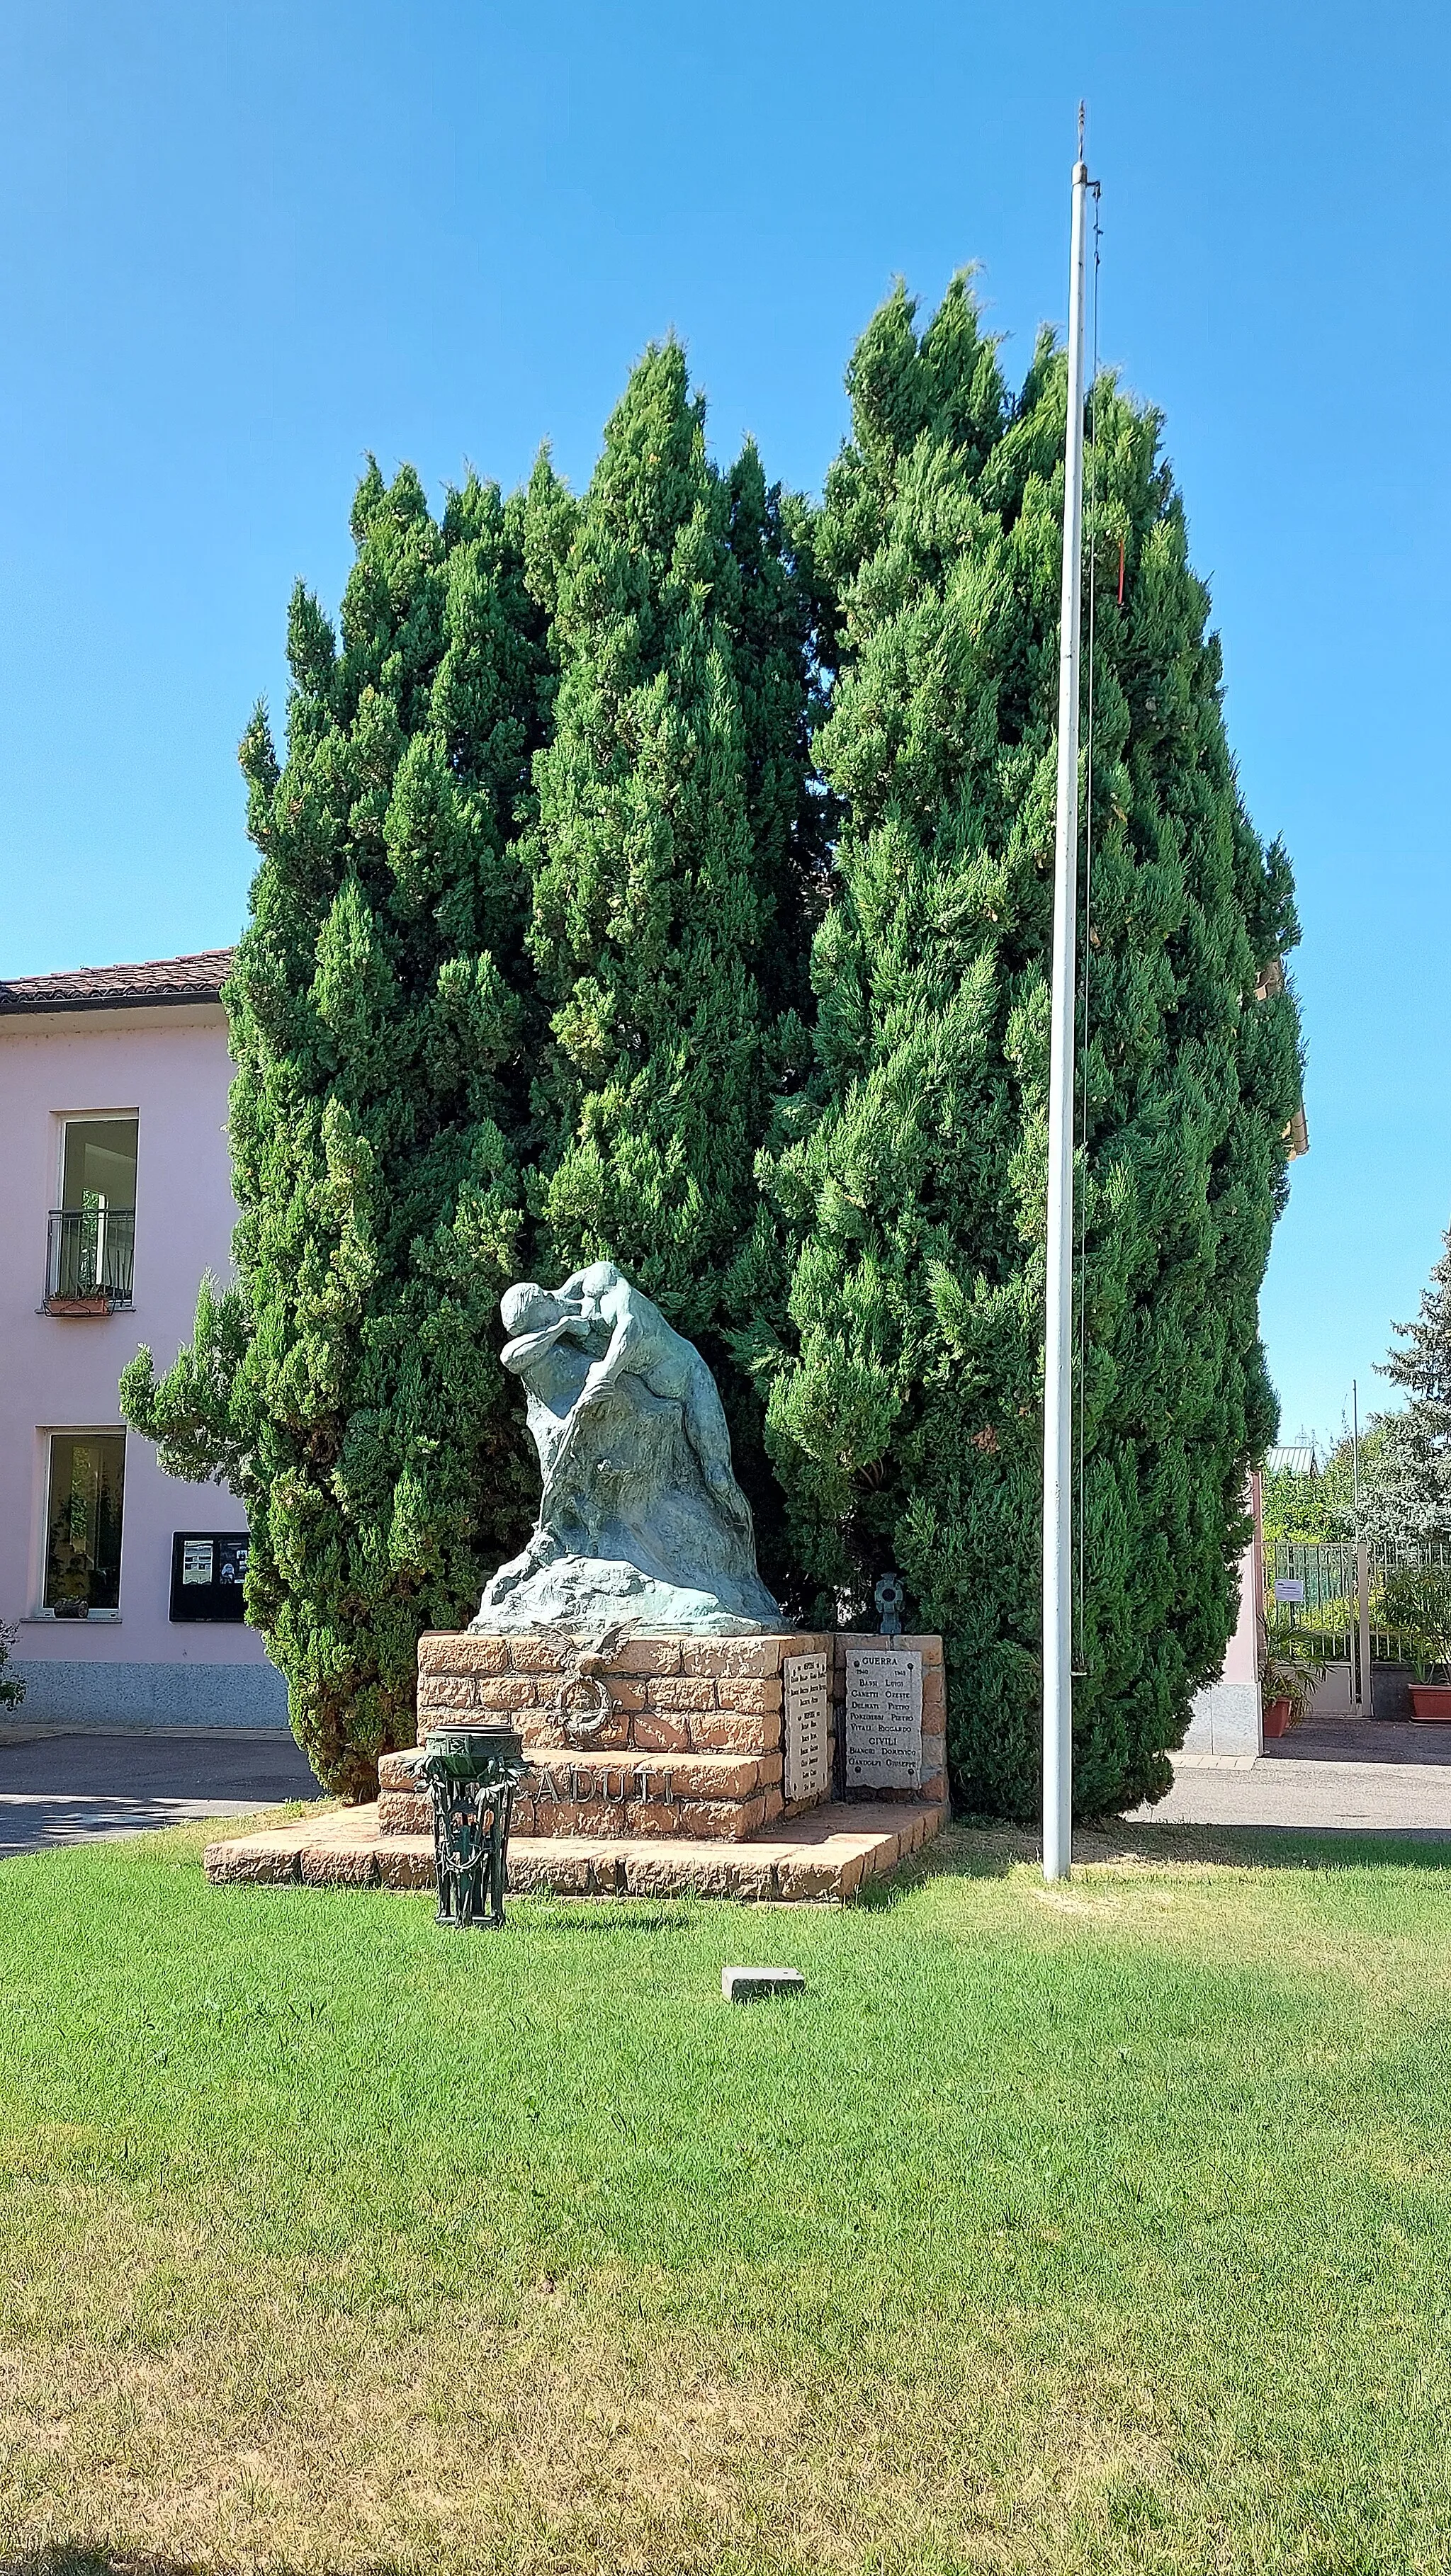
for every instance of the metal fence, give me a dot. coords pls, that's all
(1325, 1604)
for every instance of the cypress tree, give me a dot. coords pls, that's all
(903, 1255)
(381, 1019)
(676, 857)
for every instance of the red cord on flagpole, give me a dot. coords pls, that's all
(1120, 572)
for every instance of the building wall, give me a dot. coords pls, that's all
(169, 1066)
(1227, 1716)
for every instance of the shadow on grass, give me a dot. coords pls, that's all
(991, 1850)
(615, 1915)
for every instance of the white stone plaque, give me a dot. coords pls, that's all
(883, 1717)
(807, 1729)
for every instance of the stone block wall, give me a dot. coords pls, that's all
(670, 1694)
(698, 1722)
(691, 1746)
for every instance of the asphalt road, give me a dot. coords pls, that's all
(1338, 1775)
(70, 1788)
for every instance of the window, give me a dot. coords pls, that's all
(93, 1231)
(83, 1522)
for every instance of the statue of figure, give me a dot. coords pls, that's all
(640, 1516)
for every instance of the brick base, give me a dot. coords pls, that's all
(678, 1787)
(822, 1858)
(718, 1699)
(689, 1749)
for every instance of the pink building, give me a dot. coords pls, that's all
(116, 1187)
(1228, 1717)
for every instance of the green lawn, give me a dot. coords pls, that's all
(1101, 2229)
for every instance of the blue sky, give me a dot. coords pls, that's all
(241, 245)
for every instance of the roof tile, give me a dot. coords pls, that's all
(99, 988)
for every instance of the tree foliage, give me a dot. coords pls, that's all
(381, 1012)
(909, 1178)
(12, 1686)
(1317, 1503)
(1405, 1456)
(1407, 1494)
(676, 857)
(541, 967)
(515, 991)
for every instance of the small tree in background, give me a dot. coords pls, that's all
(381, 1020)
(1296, 1503)
(1406, 1484)
(909, 1179)
(1405, 1457)
(676, 859)
(1318, 1503)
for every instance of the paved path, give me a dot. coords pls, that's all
(1344, 1775)
(1355, 1739)
(70, 1788)
(1337, 1776)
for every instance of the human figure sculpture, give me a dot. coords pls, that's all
(641, 1344)
(640, 1516)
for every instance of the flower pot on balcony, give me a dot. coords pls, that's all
(1279, 1716)
(1431, 1700)
(78, 1305)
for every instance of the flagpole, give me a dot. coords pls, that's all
(1058, 1354)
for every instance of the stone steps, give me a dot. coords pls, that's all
(717, 1796)
(825, 1856)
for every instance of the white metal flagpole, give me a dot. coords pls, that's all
(1058, 1357)
(1365, 1696)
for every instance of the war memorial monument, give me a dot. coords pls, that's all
(676, 1732)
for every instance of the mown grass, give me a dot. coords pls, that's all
(1103, 2229)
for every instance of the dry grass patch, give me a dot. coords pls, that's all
(550, 2446)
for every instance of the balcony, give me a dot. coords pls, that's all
(88, 1260)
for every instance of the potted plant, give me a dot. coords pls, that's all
(1415, 1604)
(1286, 1689)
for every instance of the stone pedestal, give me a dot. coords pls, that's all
(657, 1769)
(691, 1743)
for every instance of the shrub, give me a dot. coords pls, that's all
(12, 1688)
(1414, 1604)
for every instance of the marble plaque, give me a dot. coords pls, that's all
(807, 1728)
(883, 1717)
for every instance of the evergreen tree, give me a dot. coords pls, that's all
(1406, 1489)
(676, 856)
(381, 1020)
(903, 1259)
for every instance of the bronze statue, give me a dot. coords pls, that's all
(640, 1516)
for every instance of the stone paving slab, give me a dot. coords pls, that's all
(1362, 1739)
(828, 1854)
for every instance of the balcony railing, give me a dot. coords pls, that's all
(88, 1260)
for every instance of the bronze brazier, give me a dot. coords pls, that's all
(472, 1773)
